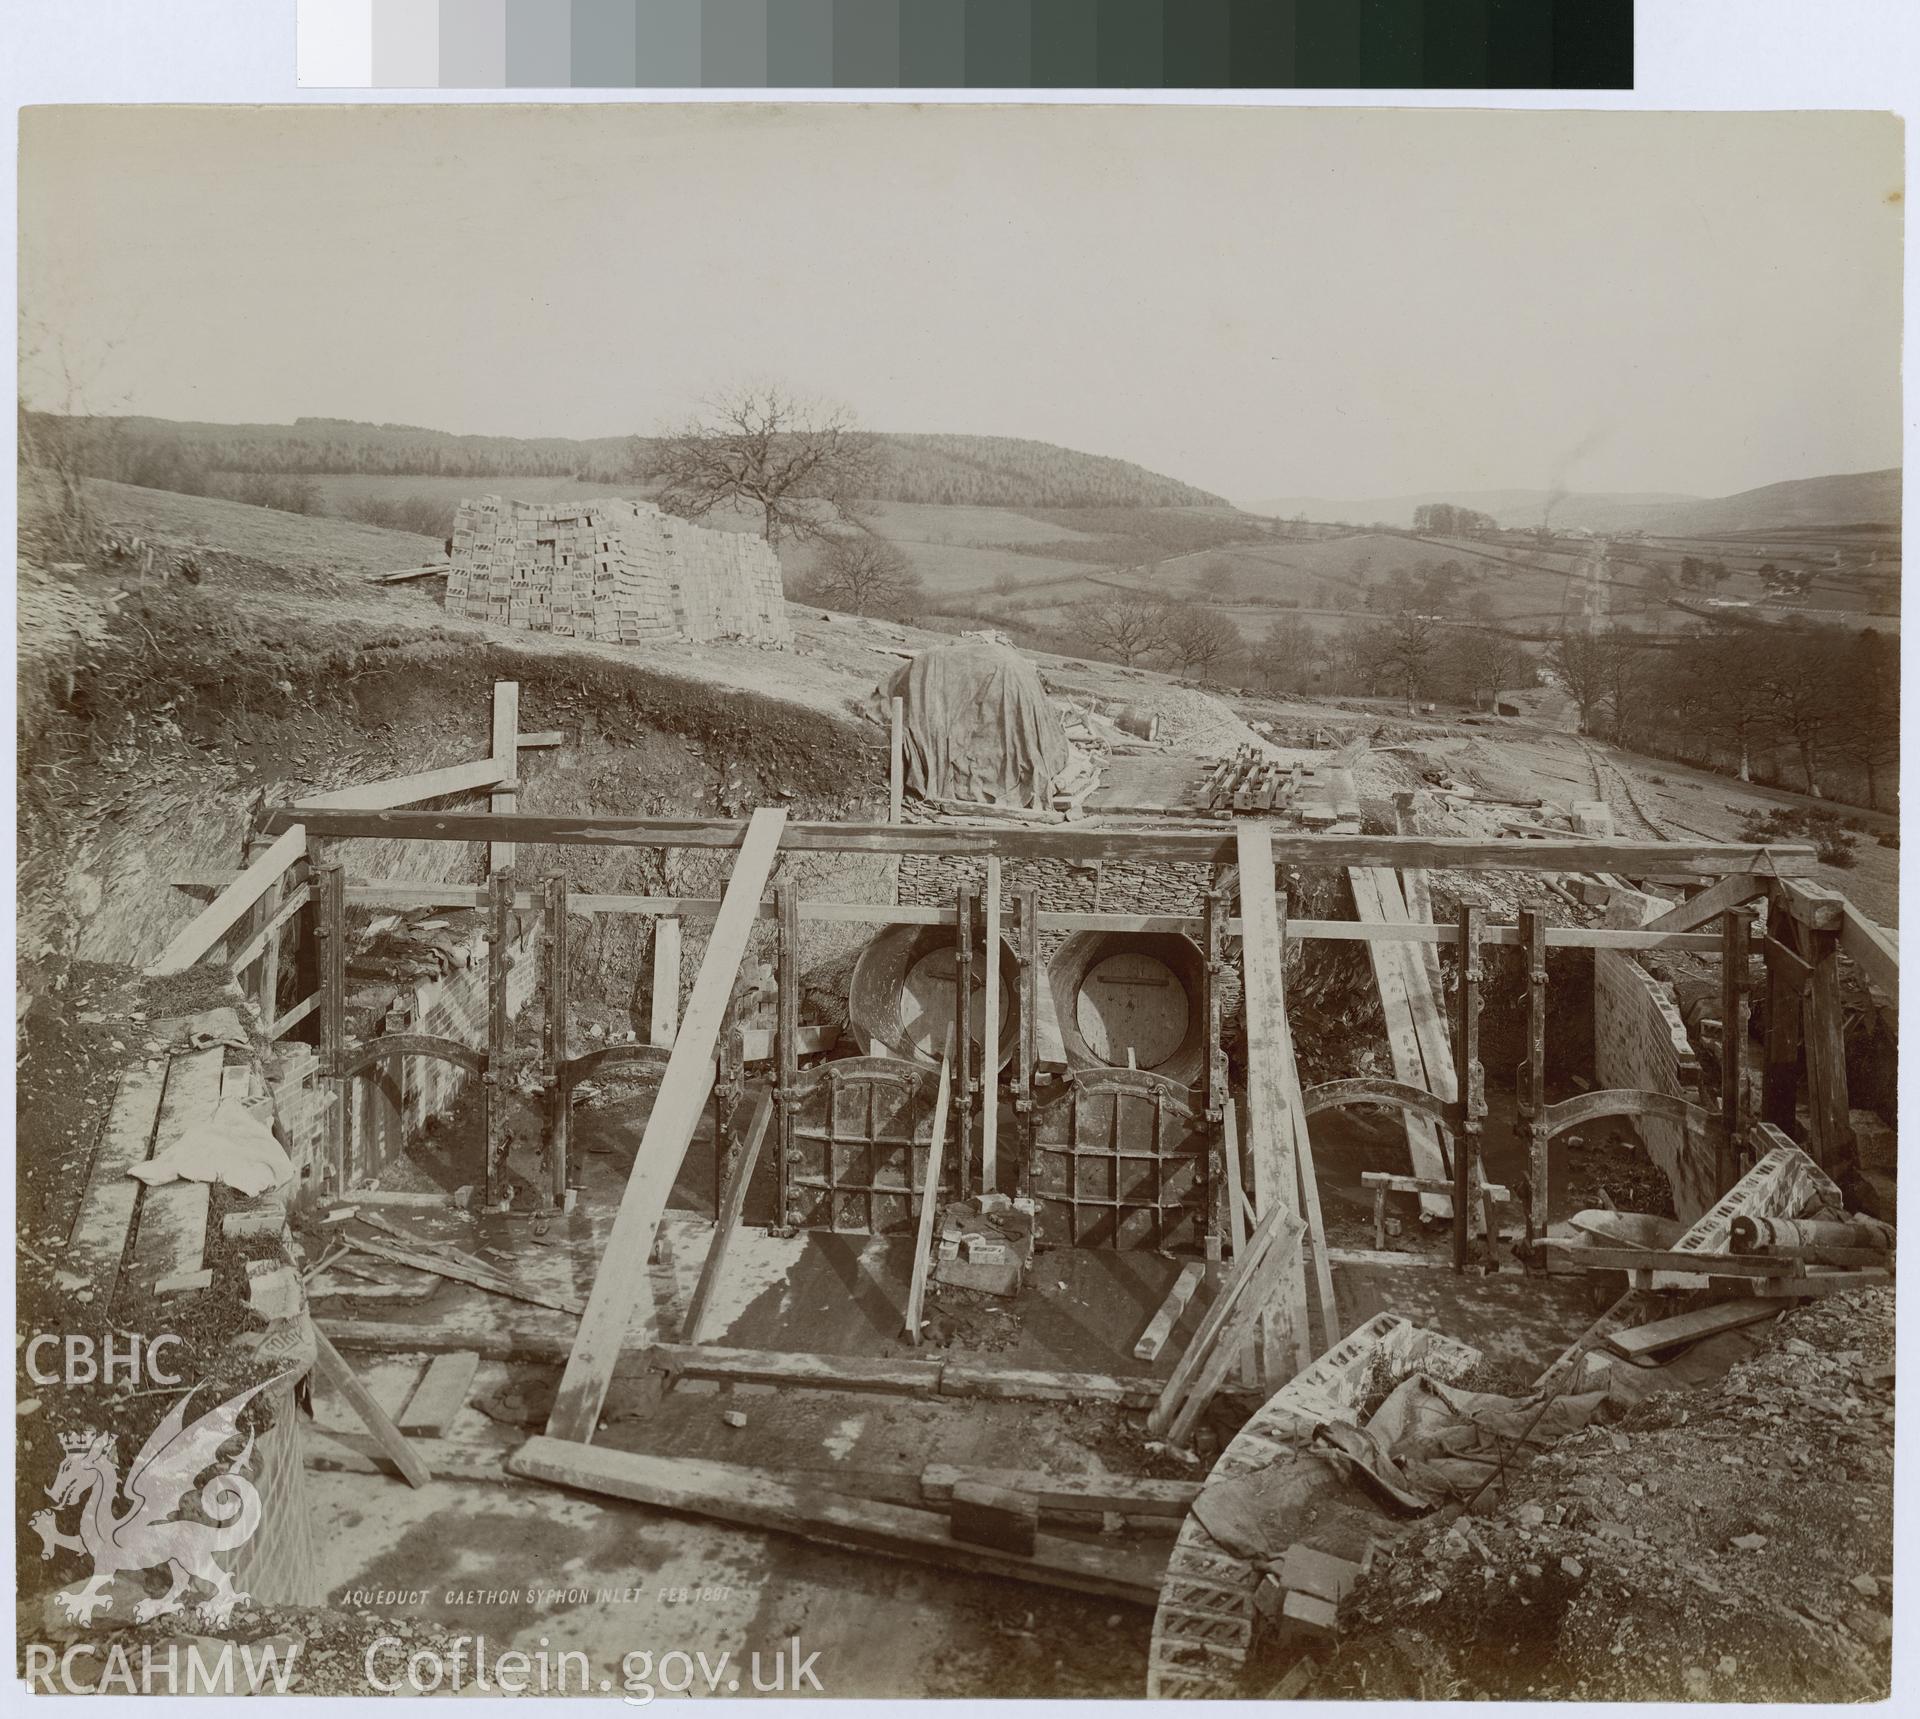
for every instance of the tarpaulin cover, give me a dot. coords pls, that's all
(1429, 1442)
(979, 727)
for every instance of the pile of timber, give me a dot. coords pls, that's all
(1250, 781)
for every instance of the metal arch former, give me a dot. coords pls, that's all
(579, 1068)
(370, 1051)
(1369, 1089)
(1627, 1101)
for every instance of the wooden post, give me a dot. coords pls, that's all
(493, 1088)
(1533, 1081)
(1215, 910)
(963, 1033)
(665, 1005)
(727, 1220)
(1780, 1074)
(1733, 1044)
(1472, 1083)
(897, 760)
(506, 755)
(729, 1086)
(786, 1035)
(1031, 979)
(330, 936)
(555, 1040)
(1829, 1110)
(929, 1199)
(990, 1040)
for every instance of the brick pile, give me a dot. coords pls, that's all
(614, 570)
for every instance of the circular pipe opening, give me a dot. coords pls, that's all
(1132, 999)
(901, 996)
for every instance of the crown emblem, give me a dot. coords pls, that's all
(75, 1442)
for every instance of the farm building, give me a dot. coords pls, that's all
(611, 569)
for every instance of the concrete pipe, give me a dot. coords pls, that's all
(1132, 999)
(901, 996)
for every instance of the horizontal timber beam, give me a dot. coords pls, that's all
(404, 893)
(1063, 842)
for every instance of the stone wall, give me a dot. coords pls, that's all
(620, 571)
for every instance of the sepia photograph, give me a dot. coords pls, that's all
(917, 901)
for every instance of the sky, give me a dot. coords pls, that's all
(1263, 302)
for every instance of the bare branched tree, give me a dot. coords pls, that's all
(861, 574)
(1200, 641)
(803, 466)
(1124, 625)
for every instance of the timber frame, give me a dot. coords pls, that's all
(284, 917)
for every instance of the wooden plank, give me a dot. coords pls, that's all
(1036, 1385)
(402, 892)
(1269, 1280)
(1128, 1494)
(665, 1009)
(728, 1221)
(1734, 890)
(1278, 1223)
(1237, 1217)
(496, 1283)
(1689, 1327)
(440, 1395)
(929, 1200)
(1594, 1256)
(684, 1086)
(546, 737)
(896, 759)
(171, 1237)
(1073, 842)
(341, 1377)
(264, 939)
(1160, 1327)
(105, 1213)
(231, 905)
(410, 790)
(295, 1015)
(1315, 1245)
(1403, 1038)
(904, 1376)
(1873, 950)
(1273, 1129)
(756, 1498)
(506, 757)
(990, 1038)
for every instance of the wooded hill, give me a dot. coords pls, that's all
(997, 471)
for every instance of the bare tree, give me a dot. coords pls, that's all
(1485, 662)
(1124, 625)
(1201, 641)
(1870, 737)
(861, 574)
(803, 466)
(1581, 661)
(1400, 652)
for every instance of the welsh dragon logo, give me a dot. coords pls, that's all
(150, 1533)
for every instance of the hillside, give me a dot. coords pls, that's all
(1803, 504)
(1849, 498)
(1512, 508)
(987, 471)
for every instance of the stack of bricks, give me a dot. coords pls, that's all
(614, 570)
